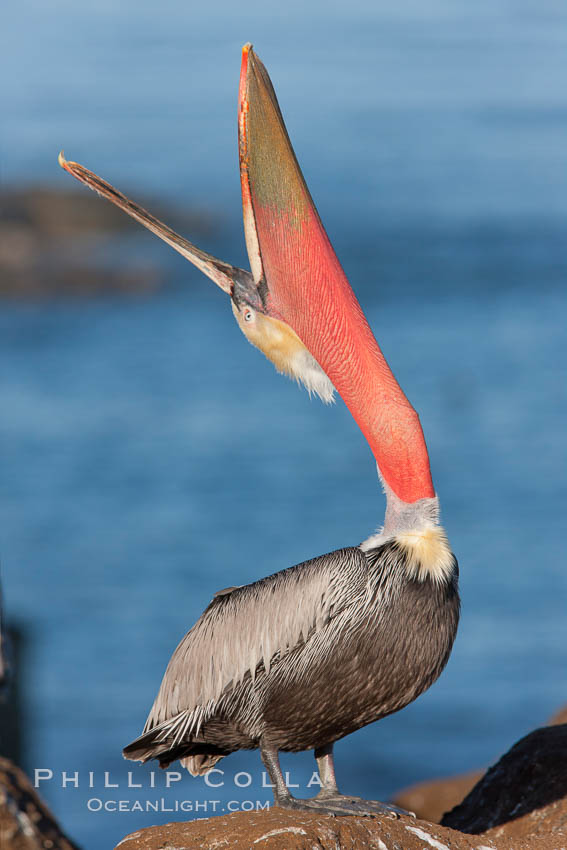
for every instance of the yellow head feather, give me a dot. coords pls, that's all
(282, 346)
(428, 554)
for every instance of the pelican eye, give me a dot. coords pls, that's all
(248, 315)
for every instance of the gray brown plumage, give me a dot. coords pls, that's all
(302, 658)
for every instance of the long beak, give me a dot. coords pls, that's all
(307, 288)
(223, 274)
(297, 283)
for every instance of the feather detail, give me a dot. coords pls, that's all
(249, 626)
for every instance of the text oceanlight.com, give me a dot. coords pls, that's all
(95, 804)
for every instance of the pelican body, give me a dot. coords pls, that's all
(302, 658)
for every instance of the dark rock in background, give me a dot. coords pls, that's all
(51, 243)
(524, 794)
(431, 799)
(25, 821)
(12, 657)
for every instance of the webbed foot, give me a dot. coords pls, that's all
(341, 804)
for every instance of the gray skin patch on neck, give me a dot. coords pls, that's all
(403, 516)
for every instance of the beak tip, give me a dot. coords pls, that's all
(246, 51)
(243, 85)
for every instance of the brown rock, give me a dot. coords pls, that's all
(25, 821)
(430, 800)
(524, 795)
(560, 717)
(279, 829)
(283, 830)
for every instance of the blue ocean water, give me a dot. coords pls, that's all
(149, 456)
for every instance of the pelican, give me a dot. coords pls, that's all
(302, 658)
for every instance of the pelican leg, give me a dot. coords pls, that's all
(271, 759)
(329, 800)
(326, 768)
(341, 803)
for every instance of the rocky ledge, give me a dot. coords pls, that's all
(519, 804)
(284, 830)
